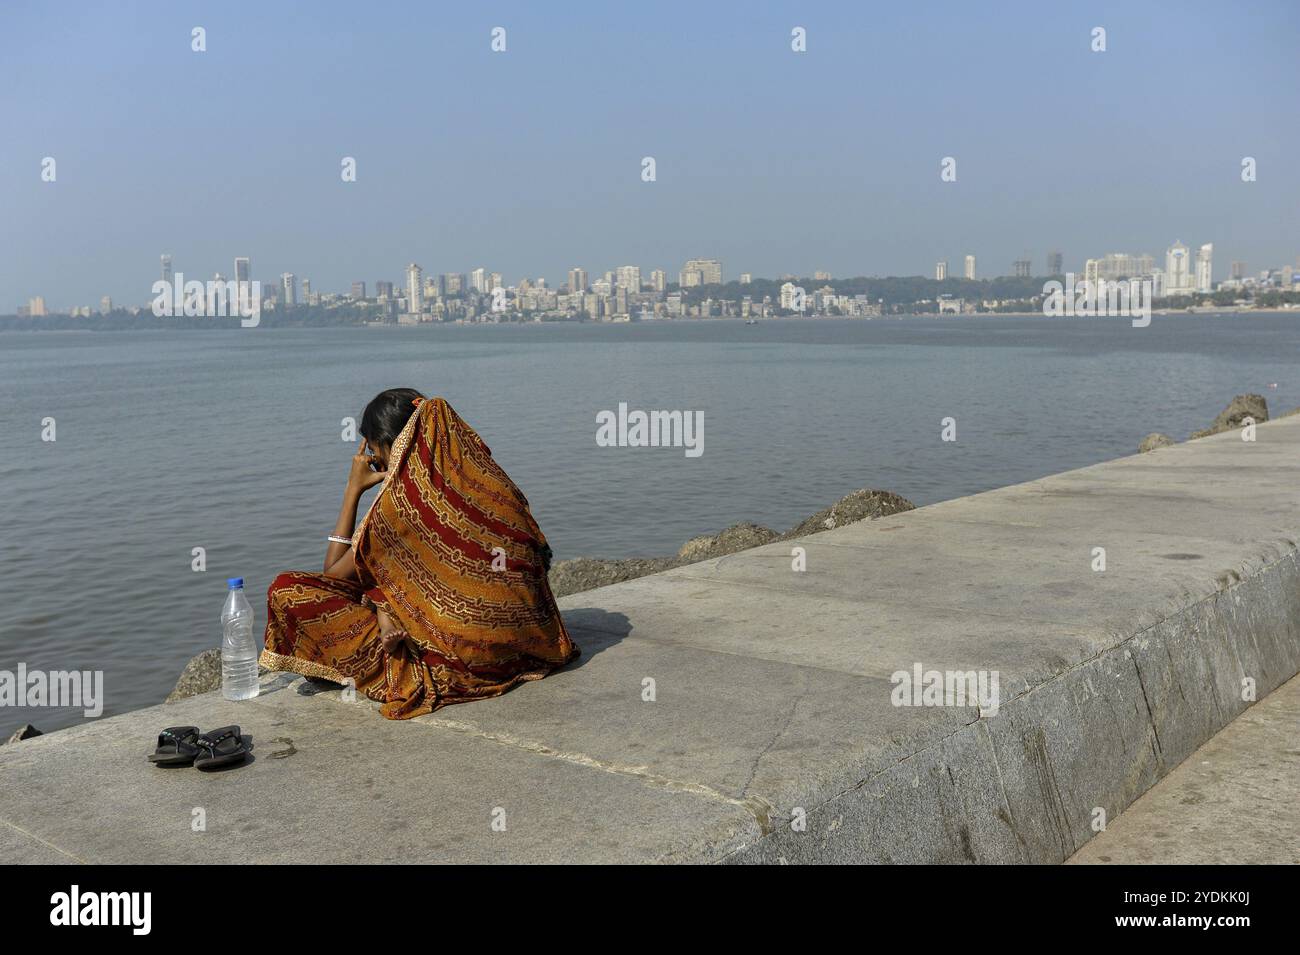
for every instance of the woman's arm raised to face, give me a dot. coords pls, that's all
(338, 556)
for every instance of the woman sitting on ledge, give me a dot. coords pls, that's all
(440, 595)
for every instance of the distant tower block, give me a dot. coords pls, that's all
(970, 267)
(415, 289)
(698, 272)
(1178, 276)
(1205, 268)
(1055, 263)
(1021, 269)
(244, 281)
(940, 271)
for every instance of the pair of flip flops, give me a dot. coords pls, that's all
(183, 745)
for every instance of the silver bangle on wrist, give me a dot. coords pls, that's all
(341, 540)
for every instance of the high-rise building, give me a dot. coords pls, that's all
(970, 266)
(940, 271)
(1178, 275)
(746, 278)
(289, 288)
(659, 280)
(1123, 265)
(577, 280)
(495, 281)
(243, 281)
(453, 283)
(821, 276)
(414, 289)
(166, 268)
(358, 290)
(1055, 263)
(1238, 270)
(1205, 268)
(1157, 283)
(36, 306)
(701, 272)
(478, 280)
(106, 304)
(383, 291)
(306, 291)
(1021, 268)
(628, 277)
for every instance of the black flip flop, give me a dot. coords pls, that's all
(220, 747)
(177, 746)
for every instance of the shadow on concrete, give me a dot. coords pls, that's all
(595, 630)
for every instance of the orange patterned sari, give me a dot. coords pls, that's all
(450, 549)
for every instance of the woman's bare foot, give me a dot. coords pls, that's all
(392, 635)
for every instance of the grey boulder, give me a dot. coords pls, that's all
(1154, 440)
(201, 675)
(1235, 415)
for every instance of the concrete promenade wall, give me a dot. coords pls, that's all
(772, 698)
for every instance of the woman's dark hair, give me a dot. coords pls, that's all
(387, 414)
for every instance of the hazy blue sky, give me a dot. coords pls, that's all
(528, 161)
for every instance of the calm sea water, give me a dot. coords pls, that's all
(230, 441)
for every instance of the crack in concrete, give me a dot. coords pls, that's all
(1036, 752)
(1002, 791)
(1173, 671)
(1156, 749)
(785, 725)
(45, 842)
(756, 806)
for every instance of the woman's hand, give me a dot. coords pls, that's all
(362, 477)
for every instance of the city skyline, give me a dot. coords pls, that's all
(1176, 274)
(622, 290)
(534, 168)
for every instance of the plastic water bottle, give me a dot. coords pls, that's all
(238, 649)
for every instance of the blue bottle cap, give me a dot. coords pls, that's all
(235, 583)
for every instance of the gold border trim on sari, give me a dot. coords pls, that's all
(278, 661)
